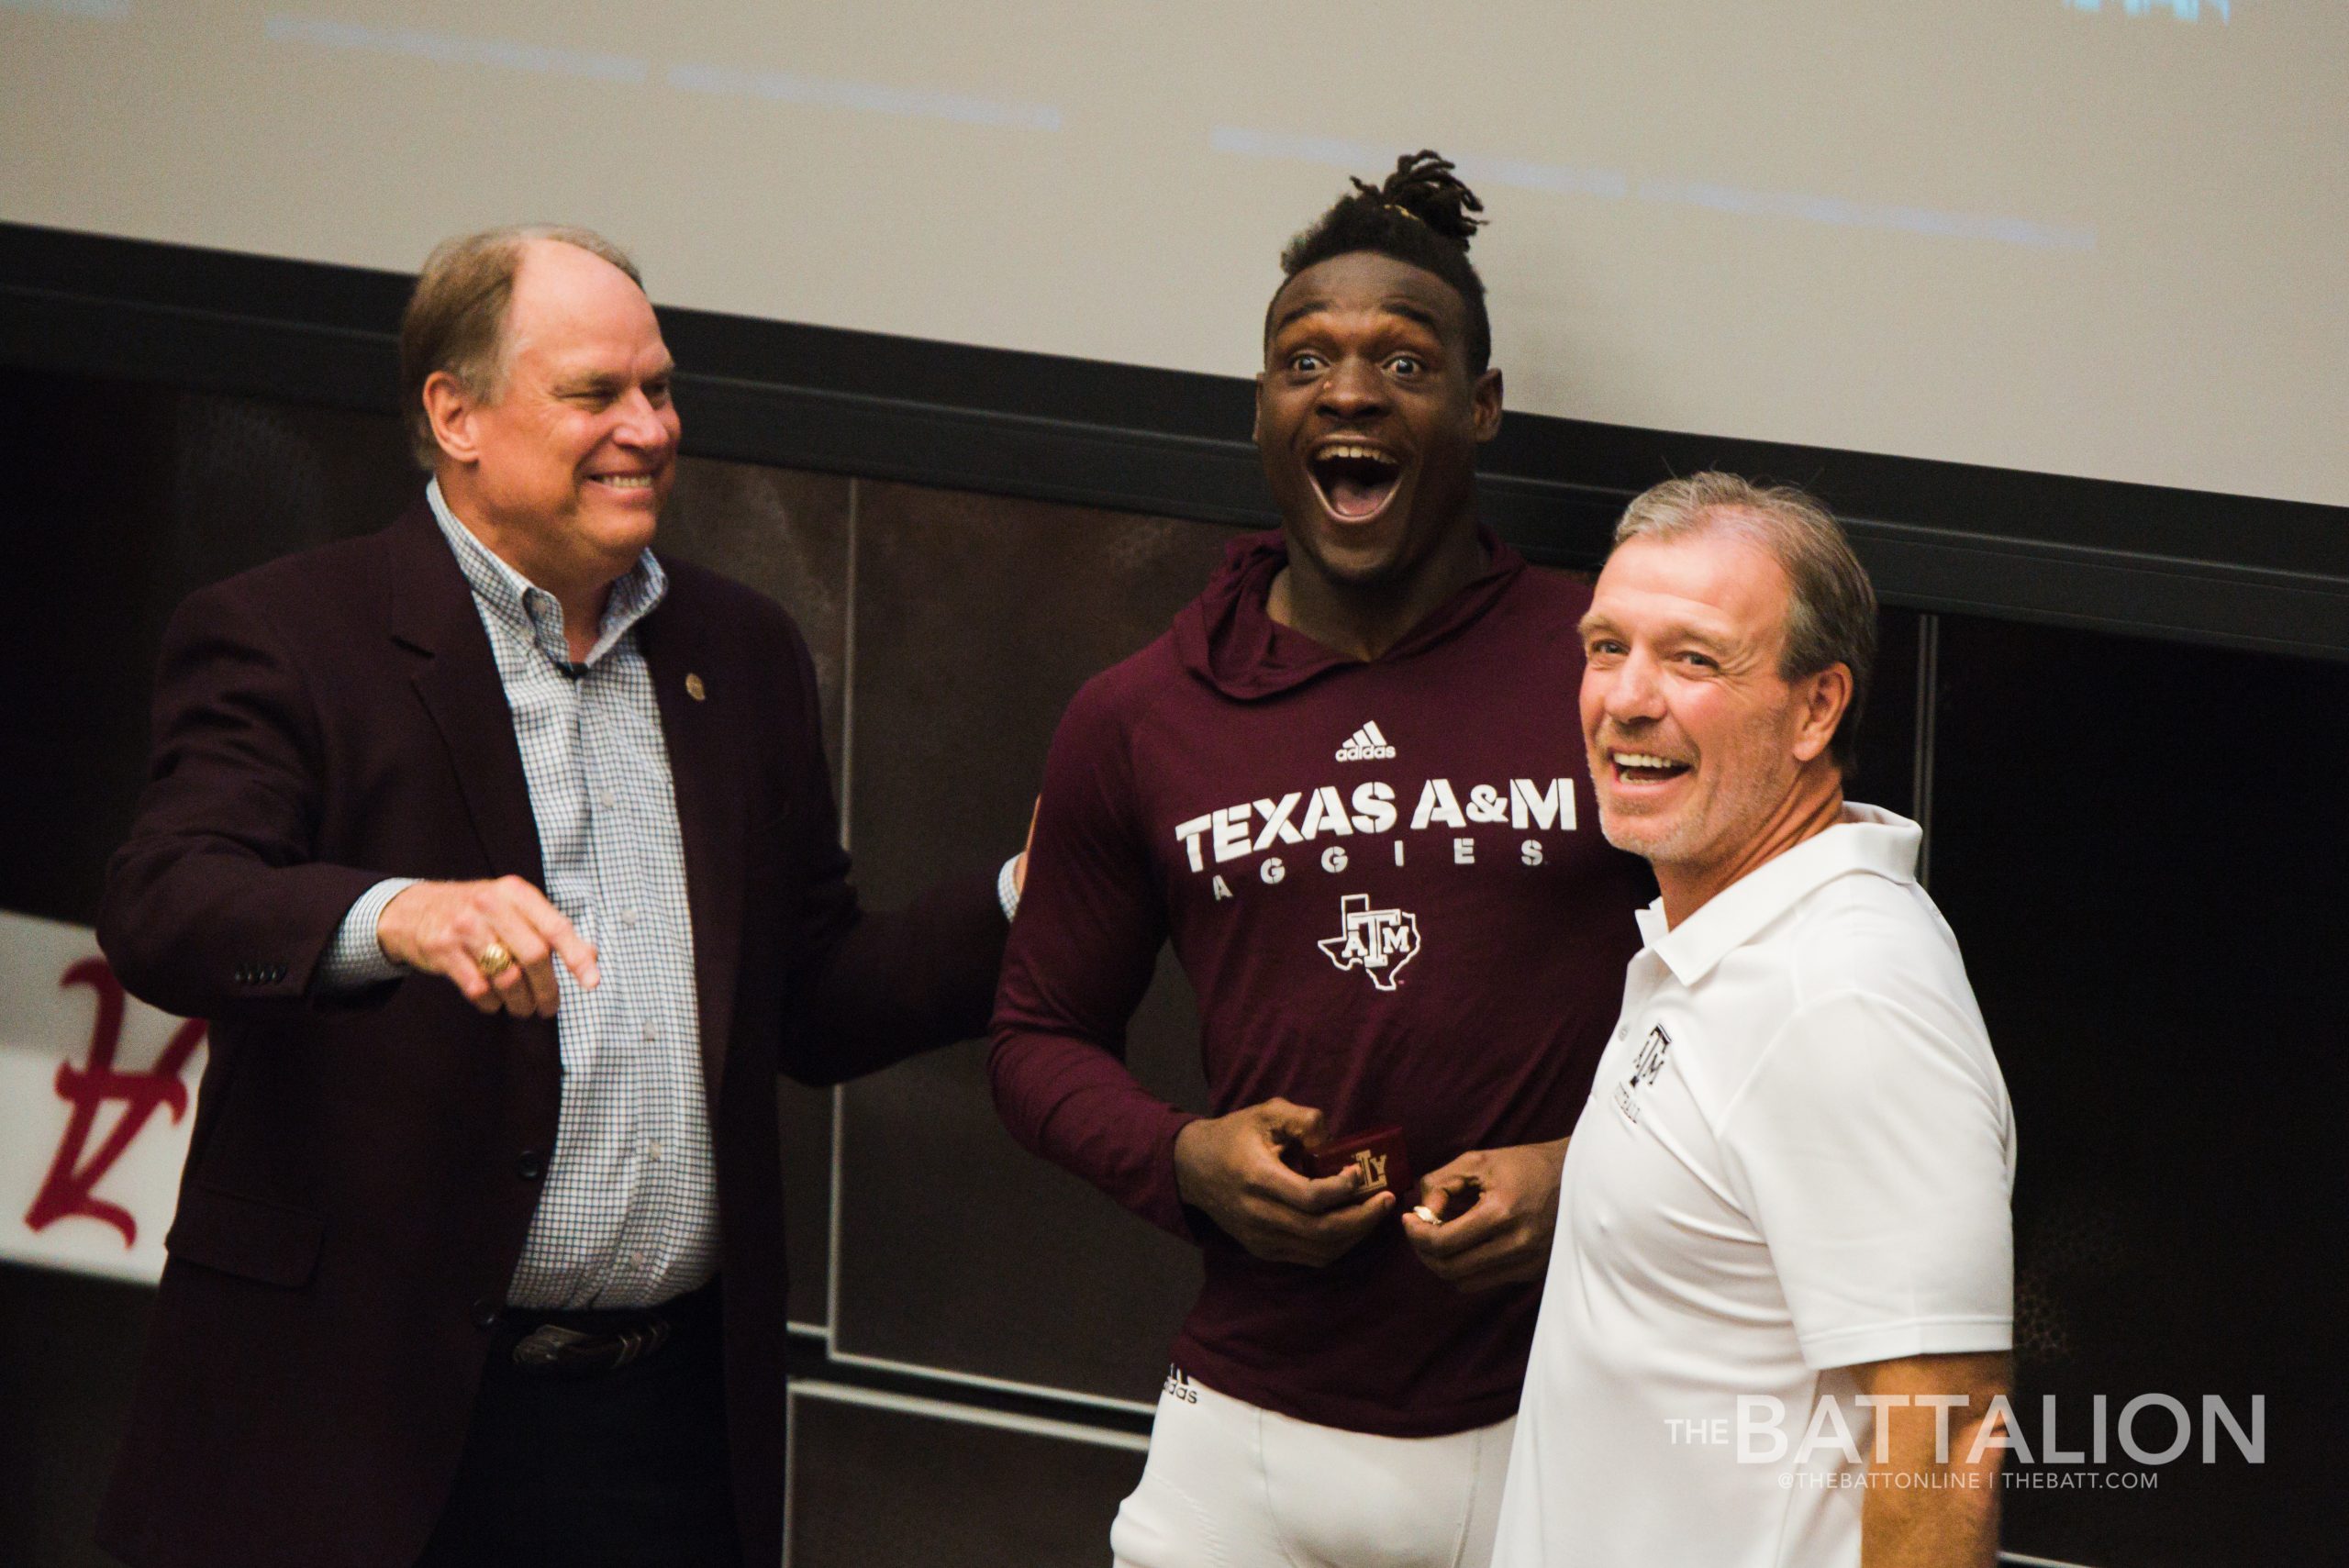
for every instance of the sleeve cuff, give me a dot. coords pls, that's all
(1895, 1342)
(355, 960)
(1006, 888)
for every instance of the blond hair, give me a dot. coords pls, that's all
(455, 321)
(1831, 609)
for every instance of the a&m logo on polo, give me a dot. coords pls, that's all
(1377, 941)
(1645, 1068)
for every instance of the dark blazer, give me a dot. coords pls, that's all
(364, 1170)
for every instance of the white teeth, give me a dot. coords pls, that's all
(1367, 454)
(1641, 759)
(626, 480)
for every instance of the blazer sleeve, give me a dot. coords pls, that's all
(215, 907)
(871, 988)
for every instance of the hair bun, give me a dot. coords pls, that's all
(1424, 187)
(1420, 216)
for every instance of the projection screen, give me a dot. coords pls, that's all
(2103, 238)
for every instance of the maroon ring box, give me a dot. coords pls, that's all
(1379, 1153)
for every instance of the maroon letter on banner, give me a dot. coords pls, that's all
(72, 1186)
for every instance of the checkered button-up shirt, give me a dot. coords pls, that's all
(629, 1217)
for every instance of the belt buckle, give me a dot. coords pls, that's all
(550, 1348)
(542, 1349)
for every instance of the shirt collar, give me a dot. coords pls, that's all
(1868, 838)
(530, 609)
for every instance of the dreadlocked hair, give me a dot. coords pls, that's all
(1420, 215)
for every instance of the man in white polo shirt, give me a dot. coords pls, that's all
(1780, 1298)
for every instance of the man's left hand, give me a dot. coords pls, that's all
(1496, 1209)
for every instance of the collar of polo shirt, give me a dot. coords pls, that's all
(1867, 838)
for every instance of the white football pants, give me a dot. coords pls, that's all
(1229, 1486)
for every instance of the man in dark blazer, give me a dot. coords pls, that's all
(503, 858)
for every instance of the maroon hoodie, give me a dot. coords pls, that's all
(1387, 885)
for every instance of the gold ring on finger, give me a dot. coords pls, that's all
(493, 961)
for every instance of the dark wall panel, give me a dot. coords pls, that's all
(961, 1253)
(139, 495)
(873, 1486)
(786, 534)
(976, 620)
(69, 1350)
(2140, 847)
(84, 540)
(1887, 775)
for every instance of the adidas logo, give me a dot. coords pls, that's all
(1365, 745)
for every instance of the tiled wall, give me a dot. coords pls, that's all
(2139, 845)
(2142, 849)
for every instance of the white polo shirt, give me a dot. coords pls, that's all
(1796, 1157)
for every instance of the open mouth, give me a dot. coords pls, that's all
(1645, 767)
(623, 483)
(1356, 480)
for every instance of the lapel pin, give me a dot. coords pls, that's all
(694, 688)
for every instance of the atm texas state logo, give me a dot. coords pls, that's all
(1378, 942)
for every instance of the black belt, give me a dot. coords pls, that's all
(580, 1343)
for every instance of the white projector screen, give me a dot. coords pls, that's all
(2105, 237)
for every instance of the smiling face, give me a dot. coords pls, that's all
(564, 471)
(1368, 417)
(1701, 752)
